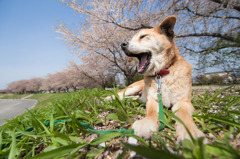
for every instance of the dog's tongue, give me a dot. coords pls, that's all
(142, 62)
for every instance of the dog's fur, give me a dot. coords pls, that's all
(176, 86)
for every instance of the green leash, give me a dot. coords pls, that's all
(87, 126)
(160, 113)
(121, 130)
(104, 132)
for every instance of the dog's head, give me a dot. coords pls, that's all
(153, 48)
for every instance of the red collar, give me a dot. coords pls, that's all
(163, 72)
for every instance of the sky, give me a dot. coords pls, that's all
(29, 46)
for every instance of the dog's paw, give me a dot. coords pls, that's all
(181, 133)
(144, 127)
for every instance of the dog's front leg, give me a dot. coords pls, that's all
(132, 91)
(184, 110)
(145, 126)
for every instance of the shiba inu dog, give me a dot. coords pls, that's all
(155, 50)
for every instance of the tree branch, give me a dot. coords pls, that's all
(216, 35)
(207, 16)
(87, 75)
(225, 3)
(211, 49)
(134, 29)
(113, 21)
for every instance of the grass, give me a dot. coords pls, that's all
(34, 134)
(13, 96)
(46, 99)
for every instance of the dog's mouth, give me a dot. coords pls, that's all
(144, 61)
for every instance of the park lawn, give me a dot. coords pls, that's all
(55, 128)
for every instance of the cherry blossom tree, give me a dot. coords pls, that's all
(204, 28)
(18, 86)
(33, 85)
(77, 78)
(98, 68)
(47, 84)
(57, 82)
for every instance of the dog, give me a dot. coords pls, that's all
(155, 50)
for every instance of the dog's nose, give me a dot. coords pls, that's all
(124, 45)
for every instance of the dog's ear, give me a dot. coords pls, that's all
(167, 26)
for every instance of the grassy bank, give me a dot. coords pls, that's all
(46, 99)
(34, 134)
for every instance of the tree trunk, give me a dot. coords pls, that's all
(74, 89)
(129, 80)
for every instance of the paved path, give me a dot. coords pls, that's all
(27, 96)
(10, 108)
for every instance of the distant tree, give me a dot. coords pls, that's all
(78, 78)
(58, 81)
(216, 79)
(200, 79)
(72, 79)
(137, 77)
(213, 79)
(47, 84)
(18, 87)
(2, 91)
(33, 85)
(11, 87)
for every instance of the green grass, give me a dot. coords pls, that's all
(13, 96)
(46, 99)
(29, 136)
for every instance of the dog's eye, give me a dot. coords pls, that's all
(141, 37)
